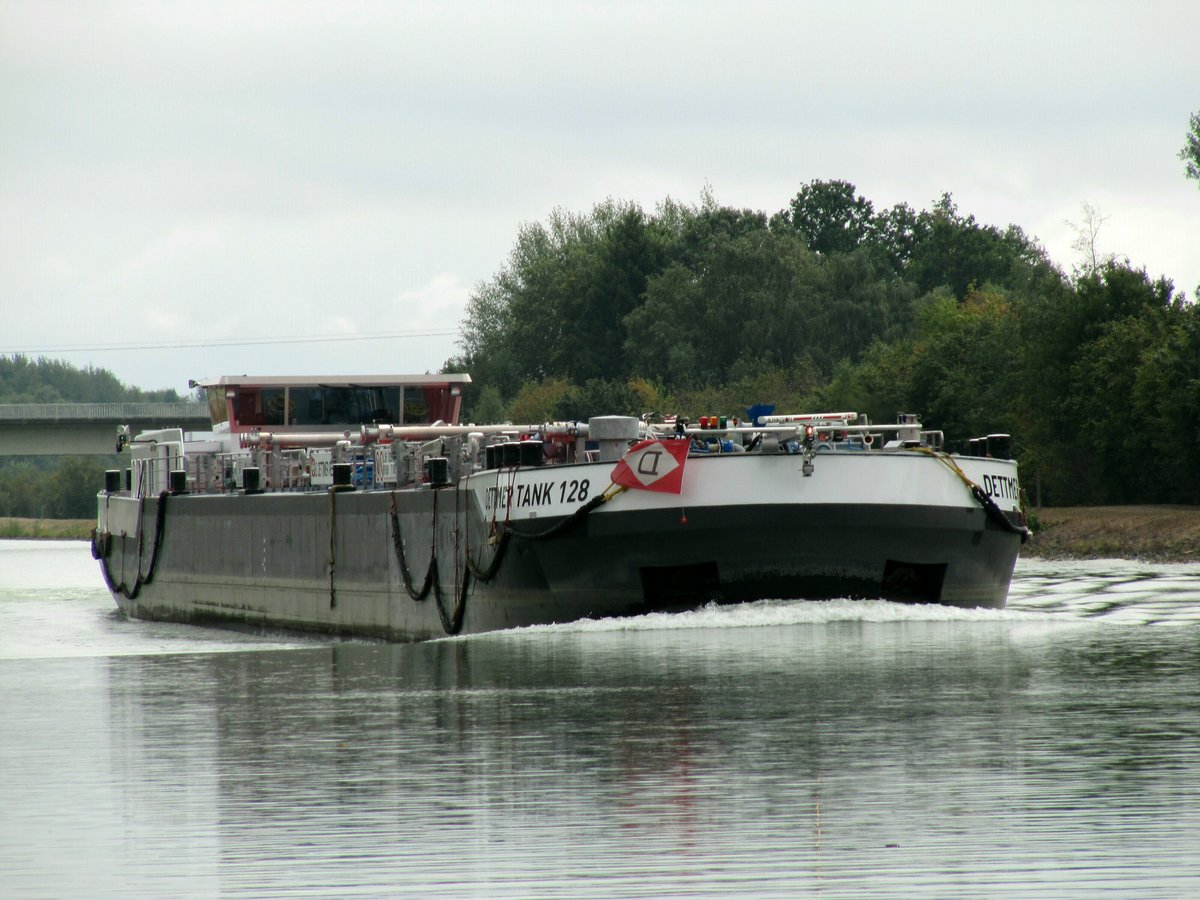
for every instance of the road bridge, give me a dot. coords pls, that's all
(87, 429)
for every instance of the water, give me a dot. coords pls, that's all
(780, 749)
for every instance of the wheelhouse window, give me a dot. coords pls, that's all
(344, 405)
(333, 406)
(425, 405)
(260, 407)
(218, 409)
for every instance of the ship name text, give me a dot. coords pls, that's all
(546, 493)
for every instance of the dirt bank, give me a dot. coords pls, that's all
(1157, 533)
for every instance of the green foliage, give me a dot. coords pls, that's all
(829, 304)
(830, 218)
(24, 380)
(1190, 154)
(861, 302)
(21, 494)
(47, 487)
(1144, 366)
(964, 375)
(793, 388)
(52, 487)
(1073, 392)
(756, 299)
(878, 385)
(487, 406)
(956, 252)
(70, 490)
(539, 402)
(599, 397)
(557, 308)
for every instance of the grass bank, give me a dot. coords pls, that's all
(1153, 533)
(47, 529)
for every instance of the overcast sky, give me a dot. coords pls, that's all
(197, 189)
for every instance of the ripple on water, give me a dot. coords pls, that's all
(840, 749)
(1113, 591)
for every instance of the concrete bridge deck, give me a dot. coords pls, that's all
(87, 429)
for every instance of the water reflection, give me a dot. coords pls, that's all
(838, 749)
(822, 757)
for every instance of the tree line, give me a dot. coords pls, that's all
(42, 380)
(827, 303)
(830, 303)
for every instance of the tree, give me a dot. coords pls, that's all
(1078, 358)
(20, 490)
(830, 304)
(599, 397)
(484, 406)
(41, 380)
(629, 252)
(557, 308)
(1087, 234)
(1190, 154)
(538, 401)
(964, 373)
(830, 216)
(879, 384)
(956, 252)
(896, 234)
(862, 301)
(791, 389)
(753, 297)
(1134, 393)
(71, 490)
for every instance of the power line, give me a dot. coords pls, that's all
(231, 342)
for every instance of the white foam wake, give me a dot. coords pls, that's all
(776, 613)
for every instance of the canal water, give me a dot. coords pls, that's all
(837, 749)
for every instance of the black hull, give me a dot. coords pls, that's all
(414, 565)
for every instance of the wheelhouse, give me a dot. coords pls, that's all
(248, 403)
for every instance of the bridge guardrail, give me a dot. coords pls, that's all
(84, 412)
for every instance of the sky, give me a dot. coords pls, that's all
(196, 189)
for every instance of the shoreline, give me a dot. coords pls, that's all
(46, 529)
(1150, 533)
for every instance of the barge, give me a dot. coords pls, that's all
(360, 506)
